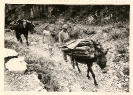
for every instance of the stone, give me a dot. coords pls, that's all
(9, 52)
(33, 43)
(16, 65)
(40, 89)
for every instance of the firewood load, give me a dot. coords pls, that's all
(81, 48)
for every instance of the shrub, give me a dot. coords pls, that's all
(122, 46)
(125, 87)
(126, 71)
(49, 83)
(115, 34)
(120, 25)
(122, 50)
(88, 32)
(121, 33)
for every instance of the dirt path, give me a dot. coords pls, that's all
(68, 78)
(79, 82)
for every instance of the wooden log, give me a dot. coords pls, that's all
(81, 56)
(80, 52)
(84, 43)
(62, 46)
(66, 50)
(74, 44)
(83, 48)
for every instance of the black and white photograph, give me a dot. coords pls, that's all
(67, 47)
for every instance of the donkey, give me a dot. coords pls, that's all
(99, 57)
(22, 27)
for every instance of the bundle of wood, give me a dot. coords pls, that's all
(81, 48)
(84, 52)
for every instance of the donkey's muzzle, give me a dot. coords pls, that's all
(104, 70)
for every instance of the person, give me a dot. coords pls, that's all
(48, 39)
(63, 38)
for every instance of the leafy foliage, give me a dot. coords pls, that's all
(120, 33)
(73, 13)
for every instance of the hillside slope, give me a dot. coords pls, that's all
(61, 77)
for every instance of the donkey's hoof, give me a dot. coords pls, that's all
(79, 71)
(88, 77)
(73, 67)
(96, 84)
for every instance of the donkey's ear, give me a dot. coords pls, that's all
(105, 52)
(92, 41)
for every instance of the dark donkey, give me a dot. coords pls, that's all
(99, 57)
(22, 27)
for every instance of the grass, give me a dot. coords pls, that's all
(118, 33)
(123, 50)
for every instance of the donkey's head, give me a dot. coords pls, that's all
(13, 25)
(20, 23)
(102, 60)
(100, 55)
(30, 26)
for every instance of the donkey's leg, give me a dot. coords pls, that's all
(72, 61)
(26, 36)
(88, 73)
(18, 36)
(93, 75)
(21, 39)
(78, 66)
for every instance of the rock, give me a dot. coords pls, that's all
(119, 85)
(9, 52)
(43, 90)
(33, 43)
(7, 30)
(119, 55)
(16, 64)
(40, 89)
